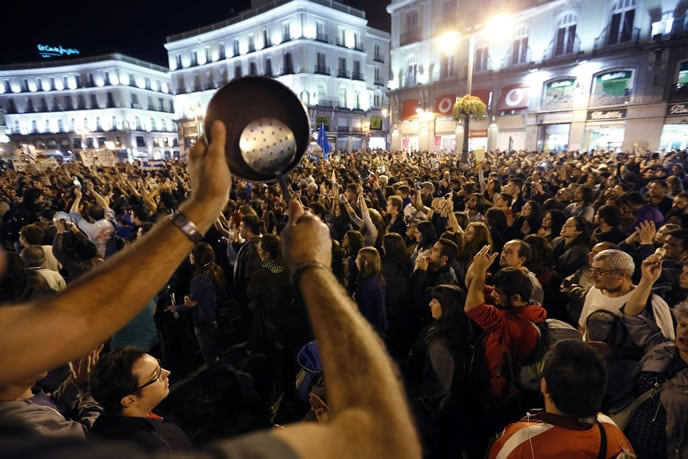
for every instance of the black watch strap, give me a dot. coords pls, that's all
(186, 226)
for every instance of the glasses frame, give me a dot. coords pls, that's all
(602, 272)
(155, 379)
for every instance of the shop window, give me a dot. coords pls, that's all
(612, 88)
(559, 94)
(682, 76)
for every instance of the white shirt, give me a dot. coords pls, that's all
(595, 300)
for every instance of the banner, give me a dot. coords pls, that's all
(444, 104)
(514, 97)
(408, 109)
(98, 158)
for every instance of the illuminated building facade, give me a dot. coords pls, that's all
(111, 101)
(322, 50)
(577, 75)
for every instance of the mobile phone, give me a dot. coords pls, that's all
(76, 181)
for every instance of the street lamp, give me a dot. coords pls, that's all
(494, 27)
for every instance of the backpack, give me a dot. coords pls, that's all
(551, 331)
(609, 335)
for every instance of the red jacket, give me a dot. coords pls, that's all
(509, 331)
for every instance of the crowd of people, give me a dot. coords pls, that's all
(418, 285)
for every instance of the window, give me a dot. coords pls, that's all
(135, 101)
(222, 53)
(148, 84)
(288, 64)
(341, 71)
(320, 31)
(481, 61)
(376, 54)
(447, 67)
(621, 26)
(519, 47)
(237, 71)
(559, 93)
(268, 67)
(411, 71)
(236, 48)
(376, 100)
(342, 98)
(266, 39)
(322, 95)
(378, 77)
(665, 26)
(110, 100)
(150, 103)
(251, 43)
(613, 87)
(357, 71)
(410, 31)
(682, 77)
(357, 100)
(286, 32)
(566, 35)
(321, 63)
(252, 69)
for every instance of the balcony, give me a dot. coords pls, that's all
(603, 41)
(379, 59)
(321, 70)
(357, 76)
(379, 83)
(322, 37)
(329, 103)
(562, 52)
(409, 37)
(343, 74)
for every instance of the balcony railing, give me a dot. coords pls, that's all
(552, 53)
(321, 70)
(357, 76)
(379, 59)
(379, 83)
(606, 99)
(602, 42)
(343, 74)
(409, 37)
(322, 37)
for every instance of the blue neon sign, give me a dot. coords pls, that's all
(47, 51)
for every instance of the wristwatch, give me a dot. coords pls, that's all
(186, 226)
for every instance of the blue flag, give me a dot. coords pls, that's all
(323, 142)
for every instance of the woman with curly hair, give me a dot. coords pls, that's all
(476, 236)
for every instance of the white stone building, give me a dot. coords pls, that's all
(323, 50)
(583, 74)
(112, 101)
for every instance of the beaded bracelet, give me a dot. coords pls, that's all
(303, 267)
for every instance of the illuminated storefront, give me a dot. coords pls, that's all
(605, 130)
(675, 131)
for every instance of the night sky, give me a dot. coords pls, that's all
(137, 28)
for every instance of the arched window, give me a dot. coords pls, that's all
(621, 25)
(519, 47)
(565, 42)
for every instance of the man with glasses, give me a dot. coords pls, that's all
(129, 384)
(612, 287)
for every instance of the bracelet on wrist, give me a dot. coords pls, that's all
(301, 268)
(186, 226)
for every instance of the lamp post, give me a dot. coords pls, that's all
(494, 26)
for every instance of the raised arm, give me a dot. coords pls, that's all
(47, 333)
(651, 270)
(368, 412)
(476, 290)
(101, 200)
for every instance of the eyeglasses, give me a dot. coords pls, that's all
(601, 272)
(155, 379)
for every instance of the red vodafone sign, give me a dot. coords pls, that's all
(514, 97)
(444, 104)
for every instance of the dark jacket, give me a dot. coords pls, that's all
(569, 257)
(151, 434)
(247, 262)
(370, 298)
